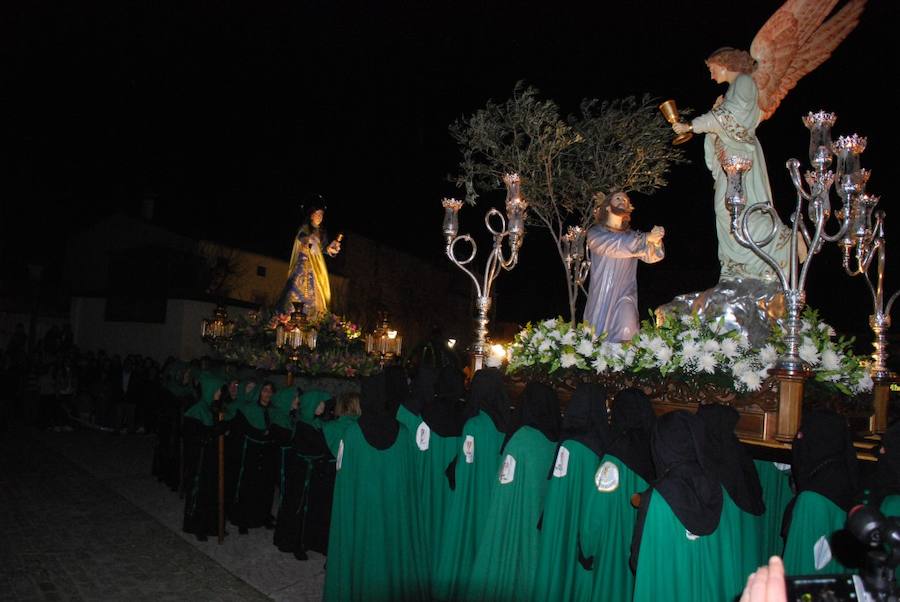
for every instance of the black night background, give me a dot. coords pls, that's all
(229, 116)
(163, 437)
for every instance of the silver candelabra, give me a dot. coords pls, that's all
(511, 227)
(815, 194)
(865, 241)
(574, 251)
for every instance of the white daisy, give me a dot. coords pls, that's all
(729, 348)
(768, 355)
(711, 346)
(585, 348)
(809, 353)
(691, 334)
(690, 351)
(830, 360)
(707, 363)
(828, 330)
(752, 380)
(663, 355)
(739, 367)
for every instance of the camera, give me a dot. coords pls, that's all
(881, 535)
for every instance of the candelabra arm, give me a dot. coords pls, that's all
(793, 166)
(461, 263)
(799, 222)
(742, 234)
(890, 303)
(583, 272)
(507, 263)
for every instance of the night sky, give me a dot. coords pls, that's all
(232, 114)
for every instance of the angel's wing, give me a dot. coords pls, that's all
(796, 40)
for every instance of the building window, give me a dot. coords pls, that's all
(261, 271)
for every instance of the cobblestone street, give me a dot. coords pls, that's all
(82, 519)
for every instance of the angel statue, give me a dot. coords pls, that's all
(793, 42)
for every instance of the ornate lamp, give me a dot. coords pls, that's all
(384, 340)
(297, 332)
(218, 327)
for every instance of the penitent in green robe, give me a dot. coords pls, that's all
(434, 488)
(374, 548)
(467, 513)
(606, 532)
(507, 556)
(333, 430)
(677, 565)
(807, 550)
(412, 422)
(776, 488)
(568, 494)
(743, 544)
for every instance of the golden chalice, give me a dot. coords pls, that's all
(670, 112)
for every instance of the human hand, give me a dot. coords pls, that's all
(681, 128)
(656, 234)
(334, 248)
(296, 403)
(719, 101)
(766, 584)
(320, 409)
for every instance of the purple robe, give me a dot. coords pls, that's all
(612, 297)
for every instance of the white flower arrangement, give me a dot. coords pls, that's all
(554, 344)
(688, 348)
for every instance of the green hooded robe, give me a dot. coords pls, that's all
(807, 549)
(606, 531)
(201, 461)
(569, 491)
(507, 557)
(776, 485)
(374, 547)
(674, 564)
(467, 514)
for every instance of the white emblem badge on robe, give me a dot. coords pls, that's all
(423, 436)
(508, 470)
(822, 553)
(782, 467)
(607, 477)
(340, 456)
(562, 463)
(469, 449)
(690, 536)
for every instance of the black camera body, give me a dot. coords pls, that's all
(882, 536)
(825, 588)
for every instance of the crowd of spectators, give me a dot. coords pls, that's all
(53, 384)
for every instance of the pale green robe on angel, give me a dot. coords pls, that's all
(730, 130)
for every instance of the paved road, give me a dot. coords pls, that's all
(82, 519)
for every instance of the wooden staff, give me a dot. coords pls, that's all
(221, 482)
